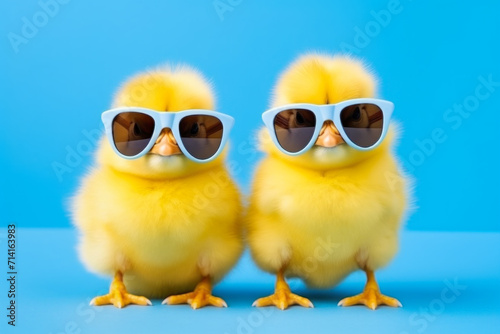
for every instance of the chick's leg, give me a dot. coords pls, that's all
(201, 296)
(283, 296)
(371, 296)
(118, 295)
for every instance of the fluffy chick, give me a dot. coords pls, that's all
(161, 224)
(332, 210)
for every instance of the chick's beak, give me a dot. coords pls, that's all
(329, 136)
(166, 144)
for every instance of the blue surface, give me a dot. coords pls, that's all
(54, 291)
(429, 56)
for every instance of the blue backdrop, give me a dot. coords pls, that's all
(62, 60)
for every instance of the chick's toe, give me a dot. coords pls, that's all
(283, 296)
(118, 295)
(200, 297)
(371, 295)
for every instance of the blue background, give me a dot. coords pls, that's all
(428, 57)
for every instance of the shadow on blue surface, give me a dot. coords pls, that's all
(449, 285)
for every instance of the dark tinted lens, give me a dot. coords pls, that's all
(132, 132)
(294, 128)
(362, 123)
(201, 135)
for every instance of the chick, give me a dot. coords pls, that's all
(332, 210)
(161, 224)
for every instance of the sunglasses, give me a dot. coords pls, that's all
(200, 134)
(362, 123)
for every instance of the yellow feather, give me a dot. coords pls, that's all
(164, 223)
(328, 212)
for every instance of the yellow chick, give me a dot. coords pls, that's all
(161, 224)
(334, 209)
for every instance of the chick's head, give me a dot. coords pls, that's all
(321, 79)
(165, 90)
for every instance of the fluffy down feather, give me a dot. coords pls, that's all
(163, 221)
(330, 211)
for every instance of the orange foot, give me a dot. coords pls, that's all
(118, 295)
(201, 296)
(282, 297)
(371, 296)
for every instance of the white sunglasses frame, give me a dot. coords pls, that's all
(329, 112)
(169, 120)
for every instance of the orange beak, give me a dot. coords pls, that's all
(329, 136)
(166, 144)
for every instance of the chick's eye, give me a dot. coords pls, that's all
(136, 130)
(299, 118)
(356, 114)
(194, 129)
